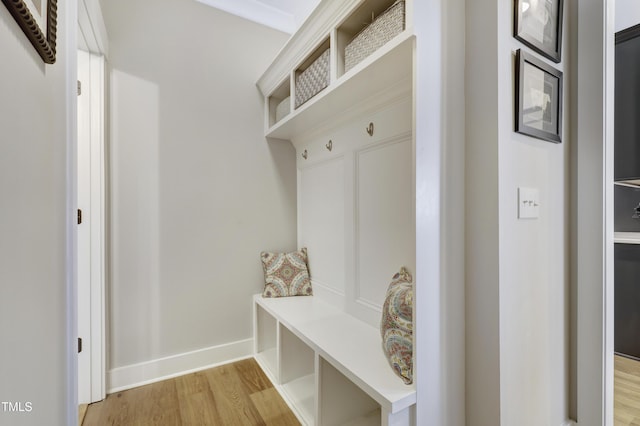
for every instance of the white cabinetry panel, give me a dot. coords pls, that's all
(321, 219)
(385, 225)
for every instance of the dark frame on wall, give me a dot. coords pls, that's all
(38, 23)
(538, 98)
(538, 24)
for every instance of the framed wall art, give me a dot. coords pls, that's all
(538, 98)
(538, 24)
(38, 19)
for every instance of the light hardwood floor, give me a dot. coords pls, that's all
(82, 410)
(233, 394)
(627, 392)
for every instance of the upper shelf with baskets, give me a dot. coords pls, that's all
(344, 53)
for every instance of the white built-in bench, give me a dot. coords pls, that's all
(328, 365)
(355, 160)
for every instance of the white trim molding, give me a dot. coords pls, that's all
(69, 15)
(91, 191)
(92, 27)
(592, 234)
(131, 376)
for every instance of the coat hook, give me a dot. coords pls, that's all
(305, 154)
(370, 129)
(329, 145)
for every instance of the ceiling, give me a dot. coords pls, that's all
(283, 15)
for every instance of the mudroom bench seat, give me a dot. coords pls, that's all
(328, 365)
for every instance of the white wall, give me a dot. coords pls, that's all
(627, 14)
(517, 270)
(534, 263)
(35, 347)
(196, 190)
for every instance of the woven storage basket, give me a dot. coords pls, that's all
(312, 80)
(282, 110)
(385, 27)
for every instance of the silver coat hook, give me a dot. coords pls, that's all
(329, 145)
(305, 154)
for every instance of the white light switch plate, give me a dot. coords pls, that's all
(528, 203)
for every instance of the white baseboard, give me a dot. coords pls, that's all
(131, 376)
(570, 423)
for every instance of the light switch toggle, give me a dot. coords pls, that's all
(528, 203)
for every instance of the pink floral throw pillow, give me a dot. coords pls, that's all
(396, 327)
(286, 274)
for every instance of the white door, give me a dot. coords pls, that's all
(91, 228)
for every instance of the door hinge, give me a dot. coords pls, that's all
(79, 88)
(79, 216)
(79, 344)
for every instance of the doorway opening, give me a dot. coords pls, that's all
(91, 177)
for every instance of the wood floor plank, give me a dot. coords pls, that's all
(199, 409)
(192, 383)
(158, 405)
(626, 392)
(154, 404)
(232, 399)
(233, 394)
(197, 405)
(252, 376)
(93, 414)
(82, 411)
(273, 409)
(112, 411)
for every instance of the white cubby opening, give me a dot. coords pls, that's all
(297, 373)
(267, 340)
(315, 54)
(308, 61)
(354, 24)
(341, 402)
(279, 95)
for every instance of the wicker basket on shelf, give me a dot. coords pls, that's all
(313, 79)
(385, 27)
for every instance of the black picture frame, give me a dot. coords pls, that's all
(38, 25)
(538, 98)
(538, 24)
